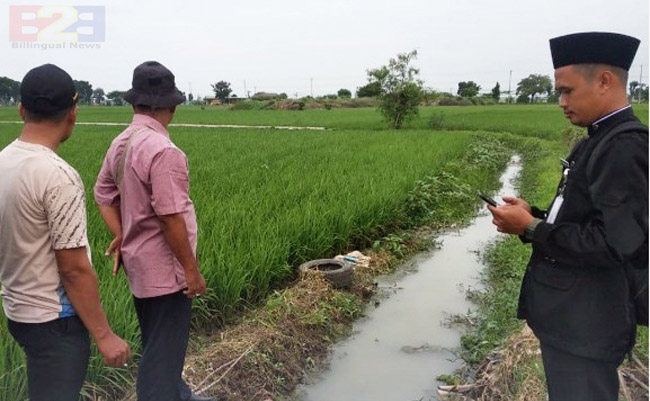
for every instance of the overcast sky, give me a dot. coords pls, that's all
(293, 46)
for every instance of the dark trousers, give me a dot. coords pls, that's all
(573, 378)
(165, 327)
(57, 357)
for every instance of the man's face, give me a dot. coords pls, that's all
(578, 95)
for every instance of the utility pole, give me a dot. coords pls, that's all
(189, 92)
(509, 87)
(640, 84)
(245, 91)
(311, 86)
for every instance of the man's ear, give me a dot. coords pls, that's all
(21, 111)
(72, 115)
(606, 80)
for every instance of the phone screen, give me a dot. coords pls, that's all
(487, 199)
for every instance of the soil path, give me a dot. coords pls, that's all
(279, 127)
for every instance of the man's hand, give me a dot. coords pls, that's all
(195, 283)
(114, 248)
(518, 202)
(175, 232)
(80, 283)
(511, 219)
(114, 350)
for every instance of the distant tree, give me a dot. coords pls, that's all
(468, 89)
(9, 91)
(344, 93)
(190, 98)
(116, 97)
(496, 92)
(638, 91)
(645, 93)
(523, 99)
(268, 96)
(553, 97)
(283, 96)
(372, 89)
(98, 96)
(222, 90)
(534, 84)
(85, 91)
(634, 85)
(401, 90)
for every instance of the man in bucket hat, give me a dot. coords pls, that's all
(143, 196)
(577, 294)
(49, 289)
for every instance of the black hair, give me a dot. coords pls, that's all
(39, 117)
(590, 70)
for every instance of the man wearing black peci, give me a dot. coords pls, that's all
(576, 291)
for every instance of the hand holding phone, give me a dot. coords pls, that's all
(487, 199)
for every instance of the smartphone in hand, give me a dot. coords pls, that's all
(487, 199)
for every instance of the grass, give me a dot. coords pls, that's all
(506, 261)
(268, 200)
(541, 121)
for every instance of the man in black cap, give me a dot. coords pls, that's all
(49, 288)
(576, 294)
(143, 196)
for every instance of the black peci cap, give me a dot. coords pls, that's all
(47, 90)
(594, 48)
(153, 85)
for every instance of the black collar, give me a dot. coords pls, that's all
(610, 122)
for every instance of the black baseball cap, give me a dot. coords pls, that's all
(153, 85)
(608, 48)
(47, 90)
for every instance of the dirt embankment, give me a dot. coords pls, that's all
(266, 355)
(515, 372)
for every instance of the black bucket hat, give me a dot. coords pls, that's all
(153, 85)
(594, 48)
(47, 90)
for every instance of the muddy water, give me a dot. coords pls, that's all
(404, 343)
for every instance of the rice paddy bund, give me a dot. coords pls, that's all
(267, 200)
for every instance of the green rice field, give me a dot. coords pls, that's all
(267, 200)
(544, 121)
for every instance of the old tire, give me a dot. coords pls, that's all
(338, 273)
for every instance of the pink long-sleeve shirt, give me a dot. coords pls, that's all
(155, 183)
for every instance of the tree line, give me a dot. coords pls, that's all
(382, 82)
(10, 93)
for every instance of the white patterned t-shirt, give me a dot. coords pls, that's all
(42, 209)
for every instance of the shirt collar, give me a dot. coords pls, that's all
(145, 120)
(600, 120)
(32, 146)
(609, 120)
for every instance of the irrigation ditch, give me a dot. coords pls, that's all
(412, 336)
(280, 349)
(269, 351)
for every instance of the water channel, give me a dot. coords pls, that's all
(402, 345)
